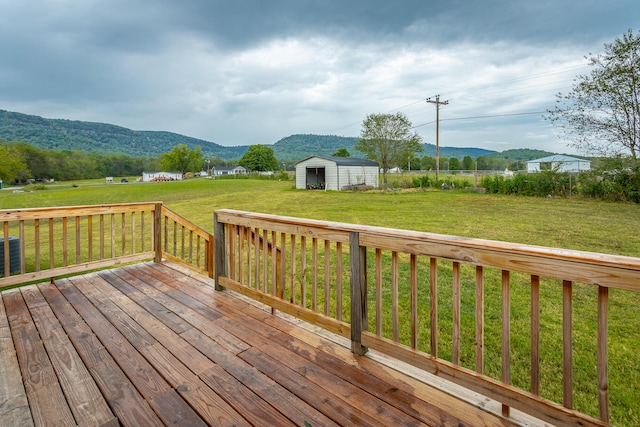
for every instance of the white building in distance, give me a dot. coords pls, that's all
(560, 163)
(336, 173)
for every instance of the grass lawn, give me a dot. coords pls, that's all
(574, 224)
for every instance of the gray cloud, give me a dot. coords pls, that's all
(253, 71)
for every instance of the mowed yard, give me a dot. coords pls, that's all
(580, 224)
(574, 224)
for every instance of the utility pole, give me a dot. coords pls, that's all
(437, 103)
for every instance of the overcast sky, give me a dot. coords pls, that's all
(242, 72)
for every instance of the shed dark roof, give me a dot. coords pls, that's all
(345, 161)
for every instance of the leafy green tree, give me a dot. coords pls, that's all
(259, 158)
(342, 152)
(454, 164)
(11, 163)
(182, 159)
(428, 163)
(467, 163)
(387, 139)
(601, 113)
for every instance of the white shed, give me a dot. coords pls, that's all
(228, 170)
(161, 176)
(559, 162)
(335, 173)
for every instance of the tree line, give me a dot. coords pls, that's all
(20, 162)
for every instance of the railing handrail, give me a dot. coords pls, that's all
(469, 250)
(131, 231)
(244, 266)
(67, 211)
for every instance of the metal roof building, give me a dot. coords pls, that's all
(560, 163)
(336, 173)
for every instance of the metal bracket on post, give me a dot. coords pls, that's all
(219, 252)
(359, 321)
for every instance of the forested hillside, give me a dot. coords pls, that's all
(298, 147)
(100, 138)
(106, 139)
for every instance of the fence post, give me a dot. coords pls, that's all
(219, 252)
(209, 256)
(157, 232)
(359, 323)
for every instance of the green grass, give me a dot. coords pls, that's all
(574, 224)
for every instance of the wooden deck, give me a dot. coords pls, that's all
(150, 345)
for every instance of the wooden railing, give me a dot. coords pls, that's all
(186, 243)
(472, 311)
(44, 243)
(476, 312)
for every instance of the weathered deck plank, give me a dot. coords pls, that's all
(14, 406)
(149, 345)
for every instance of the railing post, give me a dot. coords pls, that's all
(219, 251)
(210, 250)
(157, 232)
(358, 261)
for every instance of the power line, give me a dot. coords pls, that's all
(480, 117)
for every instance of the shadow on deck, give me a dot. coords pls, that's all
(152, 344)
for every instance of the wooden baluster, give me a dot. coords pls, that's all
(283, 259)
(65, 253)
(433, 283)
(241, 261)
(314, 284)
(339, 281)
(256, 245)
(378, 292)
(113, 236)
(413, 266)
(603, 331)
(78, 240)
(394, 295)
(182, 245)
(142, 231)
(123, 233)
(303, 271)
(327, 271)
(249, 259)
(198, 253)
(52, 261)
(292, 269)
(265, 261)
(455, 355)
(190, 246)
(479, 319)
(166, 234)
(6, 249)
(89, 237)
(231, 238)
(133, 233)
(36, 231)
(567, 344)
(506, 334)
(535, 335)
(22, 248)
(101, 236)
(274, 263)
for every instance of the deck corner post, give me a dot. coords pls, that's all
(358, 261)
(219, 251)
(157, 232)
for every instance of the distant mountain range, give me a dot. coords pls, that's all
(91, 137)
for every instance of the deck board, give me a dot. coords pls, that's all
(148, 344)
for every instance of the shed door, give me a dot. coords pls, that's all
(315, 179)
